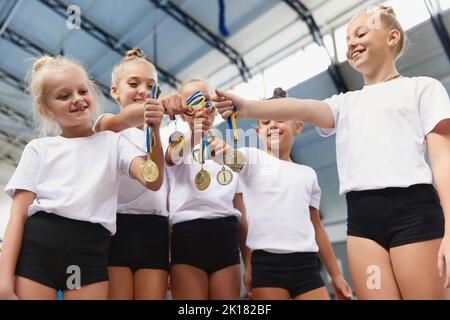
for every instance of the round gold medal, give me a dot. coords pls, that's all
(202, 180)
(150, 171)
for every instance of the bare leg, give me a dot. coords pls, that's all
(120, 283)
(225, 284)
(415, 268)
(371, 270)
(150, 284)
(27, 289)
(94, 291)
(316, 294)
(188, 283)
(270, 294)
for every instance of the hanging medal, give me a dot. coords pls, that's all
(149, 169)
(202, 178)
(176, 139)
(225, 176)
(236, 159)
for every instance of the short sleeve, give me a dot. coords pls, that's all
(100, 117)
(334, 103)
(239, 185)
(127, 152)
(27, 171)
(315, 193)
(434, 105)
(251, 158)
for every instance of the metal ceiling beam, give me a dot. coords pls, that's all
(205, 34)
(16, 115)
(439, 26)
(307, 17)
(13, 140)
(36, 50)
(10, 16)
(104, 37)
(12, 80)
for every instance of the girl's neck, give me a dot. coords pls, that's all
(77, 132)
(281, 154)
(386, 72)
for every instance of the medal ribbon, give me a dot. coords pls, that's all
(150, 142)
(232, 124)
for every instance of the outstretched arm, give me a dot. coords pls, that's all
(315, 112)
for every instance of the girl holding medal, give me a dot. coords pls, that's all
(205, 218)
(139, 251)
(398, 240)
(285, 234)
(64, 192)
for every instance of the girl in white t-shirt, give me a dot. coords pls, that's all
(285, 235)
(64, 192)
(204, 241)
(139, 252)
(397, 239)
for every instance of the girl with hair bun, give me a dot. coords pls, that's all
(138, 262)
(285, 235)
(64, 191)
(398, 227)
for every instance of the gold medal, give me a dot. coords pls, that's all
(224, 177)
(236, 160)
(150, 171)
(202, 180)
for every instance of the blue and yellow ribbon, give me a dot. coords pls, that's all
(155, 94)
(231, 120)
(200, 155)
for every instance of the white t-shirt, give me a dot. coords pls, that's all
(76, 178)
(134, 198)
(277, 197)
(381, 130)
(187, 203)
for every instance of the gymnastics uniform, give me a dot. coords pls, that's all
(204, 223)
(142, 238)
(76, 182)
(380, 144)
(278, 195)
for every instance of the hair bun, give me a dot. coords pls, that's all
(41, 62)
(279, 93)
(136, 52)
(387, 10)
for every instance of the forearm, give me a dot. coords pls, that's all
(245, 251)
(441, 173)
(312, 111)
(326, 252)
(131, 116)
(12, 243)
(158, 158)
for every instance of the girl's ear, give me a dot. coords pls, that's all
(394, 38)
(114, 93)
(298, 127)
